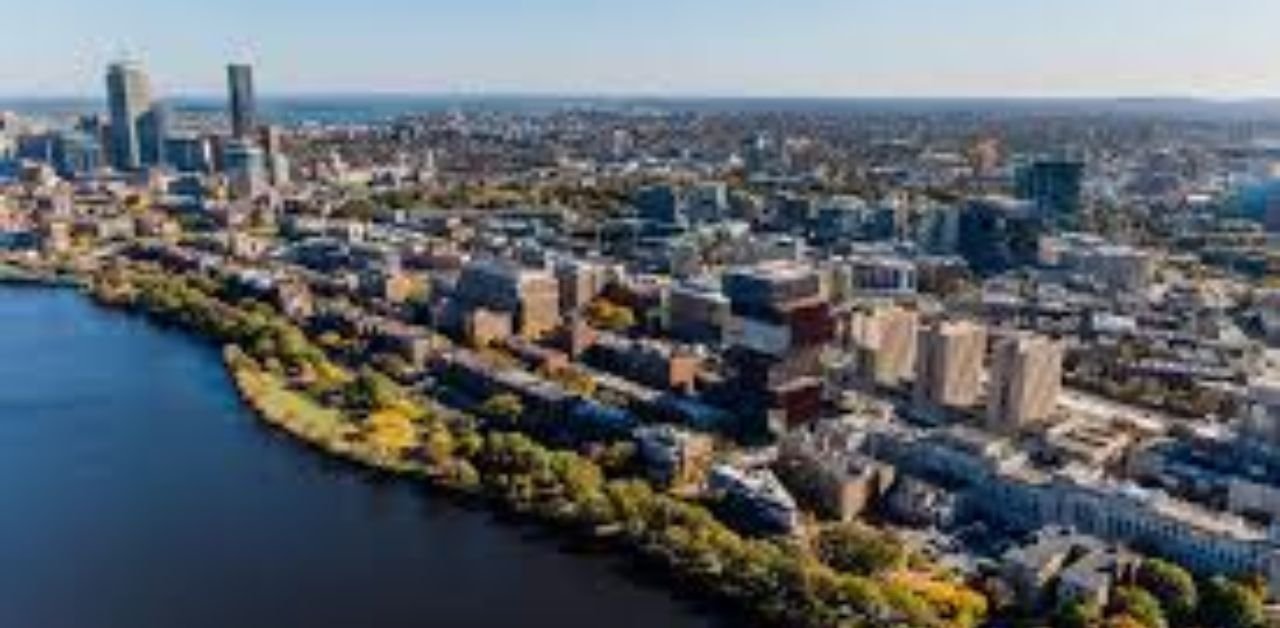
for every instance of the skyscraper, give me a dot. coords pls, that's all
(949, 365)
(129, 100)
(242, 101)
(1026, 377)
(1054, 186)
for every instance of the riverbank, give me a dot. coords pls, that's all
(18, 274)
(141, 488)
(366, 419)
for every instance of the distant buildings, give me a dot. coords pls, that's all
(242, 101)
(245, 165)
(190, 153)
(1025, 380)
(1054, 186)
(137, 129)
(1116, 267)
(995, 234)
(659, 204)
(949, 365)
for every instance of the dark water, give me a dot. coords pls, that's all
(135, 492)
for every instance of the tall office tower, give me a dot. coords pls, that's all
(1054, 186)
(949, 365)
(1026, 378)
(243, 102)
(153, 133)
(884, 342)
(780, 322)
(129, 100)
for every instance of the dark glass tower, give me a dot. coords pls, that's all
(242, 100)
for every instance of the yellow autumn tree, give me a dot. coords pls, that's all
(391, 431)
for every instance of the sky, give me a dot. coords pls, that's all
(808, 48)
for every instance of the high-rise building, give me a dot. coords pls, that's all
(1054, 186)
(949, 365)
(1026, 378)
(129, 101)
(243, 103)
(884, 341)
(780, 322)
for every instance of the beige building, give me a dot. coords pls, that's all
(532, 296)
(1026, 379)
(949, 365)
(884, 340)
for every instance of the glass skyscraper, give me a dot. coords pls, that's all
(129, 101)
(243, 114)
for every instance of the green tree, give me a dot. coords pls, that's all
(1137, 603)
(608, 315)
(861, 550)
(372, 391)
(504, 409)
(1173, 586)
(356, 209)
(1227, 604)
(1077, 614)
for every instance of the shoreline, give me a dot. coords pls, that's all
(677, 545)
(18, 275)
(606, 546)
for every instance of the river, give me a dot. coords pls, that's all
(136, 492)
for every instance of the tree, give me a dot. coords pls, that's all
(1123, 621)
(1227, 604)
(1137, 603)
(857, 549)
(372, 391)
(438, 445)
(1077, 614)
(606, 314)
(356, 209)
(463, 476)
(503, 408)
(1172, 586)
(390, 431)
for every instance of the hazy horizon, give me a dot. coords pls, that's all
(663, 48)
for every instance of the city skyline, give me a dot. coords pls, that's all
(817, 48)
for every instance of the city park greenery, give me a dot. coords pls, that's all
(1162, 595)
(842, 575)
